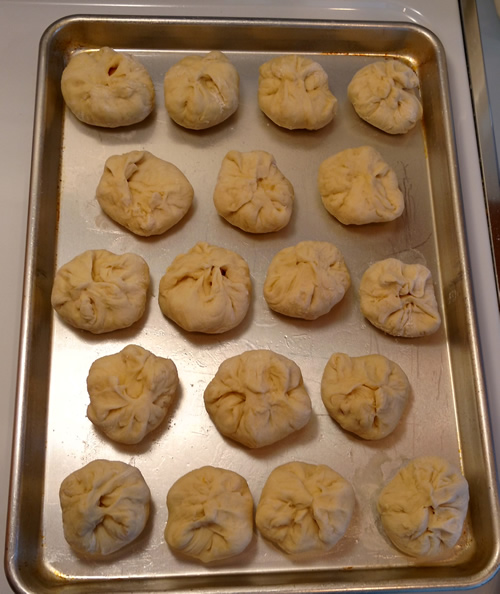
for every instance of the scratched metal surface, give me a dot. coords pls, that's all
(446, 414)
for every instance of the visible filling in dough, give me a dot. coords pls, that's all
(107, 88)
(206, 290)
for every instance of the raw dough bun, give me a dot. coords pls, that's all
(293, 93)
(252, 193)
(399, 298)
(143, 193)
(206, 290)
(365, 395)
(423, 507)
(258, 398)
(201, 91)
(306, 280)
(358, 187)
(305, 507)
(100, 291)
(107, 88)
(383, 94)
(210, 514)
(105, 506)
(130, 393)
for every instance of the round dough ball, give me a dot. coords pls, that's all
(357, 187)
(107, 88)
(100, 291)
(206, 290)
(252, 193)
(305, 507)
(365, 395)
(306, 280)
(258, 398)
(383, 94)
(143, 193)
(201, 91)
(423, 507)
(399, 298)
(130, 393)
(210, 514)
(105, 506)
(293, 92)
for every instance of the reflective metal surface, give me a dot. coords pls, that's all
(447, 414)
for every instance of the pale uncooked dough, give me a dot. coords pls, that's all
(145, 194)
(258, 398)
(294, 93)
(201, 91)
(423, 508)
(100, 291)
(399, 298)
(305, 507)
(357, 187)
(107, 88)
(206, 289)
(252, 193)
(306, 280)
(365, 395)
(130, 393)
(210, 514)
(105, 506)
(384, 95)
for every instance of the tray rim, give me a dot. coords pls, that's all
(19, 439)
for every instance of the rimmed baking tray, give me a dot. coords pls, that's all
(447, 414)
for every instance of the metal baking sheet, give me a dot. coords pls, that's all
(447, 413)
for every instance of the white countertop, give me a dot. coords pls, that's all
(22, 24)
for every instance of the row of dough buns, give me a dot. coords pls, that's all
(111, 89)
